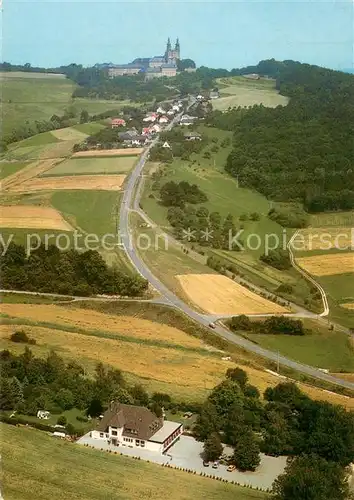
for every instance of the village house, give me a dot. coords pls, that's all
(176, 107)
(192, 136)
(170, 112)
(136, 427)
(156, 129)
(187, 120)
(128, 135)
(118, 122)
(214, 94)
(161, 110)
(150, 117)
(163, 119)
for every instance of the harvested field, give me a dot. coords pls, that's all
(26, 216)
(323, 238)
(94, 320)
(71, 182)
(68, 134)
(245, 97)
(218, 294)
(80, 166)
(349, 305)
(24, 175)
(328, 264)
(109, 152)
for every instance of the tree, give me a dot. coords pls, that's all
(84, 116)
(225, 395)
(156, 408)
(164, 400)
(207, 422)
(62, 420)
(65, 399)
(139, 394)
(123, 396)
(212, 447)
(311, 478)
(237, 375)
(246, 454)
(95, 408)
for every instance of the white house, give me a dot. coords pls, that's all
(156, 128)
(170, 112)
(163, 119)
(42, 414)
(187, 120)
(161, 110)
(150, 117)
(176, 107)
(136, 427)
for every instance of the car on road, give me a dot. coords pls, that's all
(231, 468)
(215, 464)
(212, 325)
(205, 463)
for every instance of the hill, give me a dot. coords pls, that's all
(302, 151)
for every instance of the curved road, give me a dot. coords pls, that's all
(129, 202)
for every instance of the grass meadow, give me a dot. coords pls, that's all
(81, 166)
(239, 91)
(75, 472)
(11, 167)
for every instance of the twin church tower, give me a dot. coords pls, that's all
(172, 55)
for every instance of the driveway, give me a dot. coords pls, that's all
(186, 452)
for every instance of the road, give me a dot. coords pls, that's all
(130, 202)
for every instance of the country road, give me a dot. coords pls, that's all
(130, 202)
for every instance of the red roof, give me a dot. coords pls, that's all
(118, 121)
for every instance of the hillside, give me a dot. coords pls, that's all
(302, 151)
(74, 472)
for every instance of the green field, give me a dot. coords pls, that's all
(89, 128)
(37, 96)
(37, 464)
(92, 211)
(321, 348)
(239, 91)
(11, 167)
(81, 166)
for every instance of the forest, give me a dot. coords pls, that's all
(70, 272)
(301, 152)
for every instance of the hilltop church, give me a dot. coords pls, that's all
(153, 67)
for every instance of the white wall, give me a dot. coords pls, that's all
(157, 447)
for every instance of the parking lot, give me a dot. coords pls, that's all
(186, 453)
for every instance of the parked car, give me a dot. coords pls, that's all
(215, 464)
(231, 468)
(205, 463)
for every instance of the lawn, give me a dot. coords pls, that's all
(33, 461)
(89, 128)
(10, 167)
(91, 211)
(321, 348)
(79, 166)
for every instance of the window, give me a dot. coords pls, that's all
(114, 433)
(101, 435)
(142, 444)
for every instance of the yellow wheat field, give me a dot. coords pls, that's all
(95, 320)
(326, 265)
(25, 174)
(95, 182)
(32, 217)
(217, 294)
(324, 238)
(109, 152)
(349, 305)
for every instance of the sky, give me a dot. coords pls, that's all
(228, 34)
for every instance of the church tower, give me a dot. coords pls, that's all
(177, 50)
(168, 50)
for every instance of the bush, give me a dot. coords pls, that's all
(277, 258)
(62, 420)
(21, 337)
(285, 288)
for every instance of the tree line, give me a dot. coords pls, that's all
(70, 272)
(272, 325)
